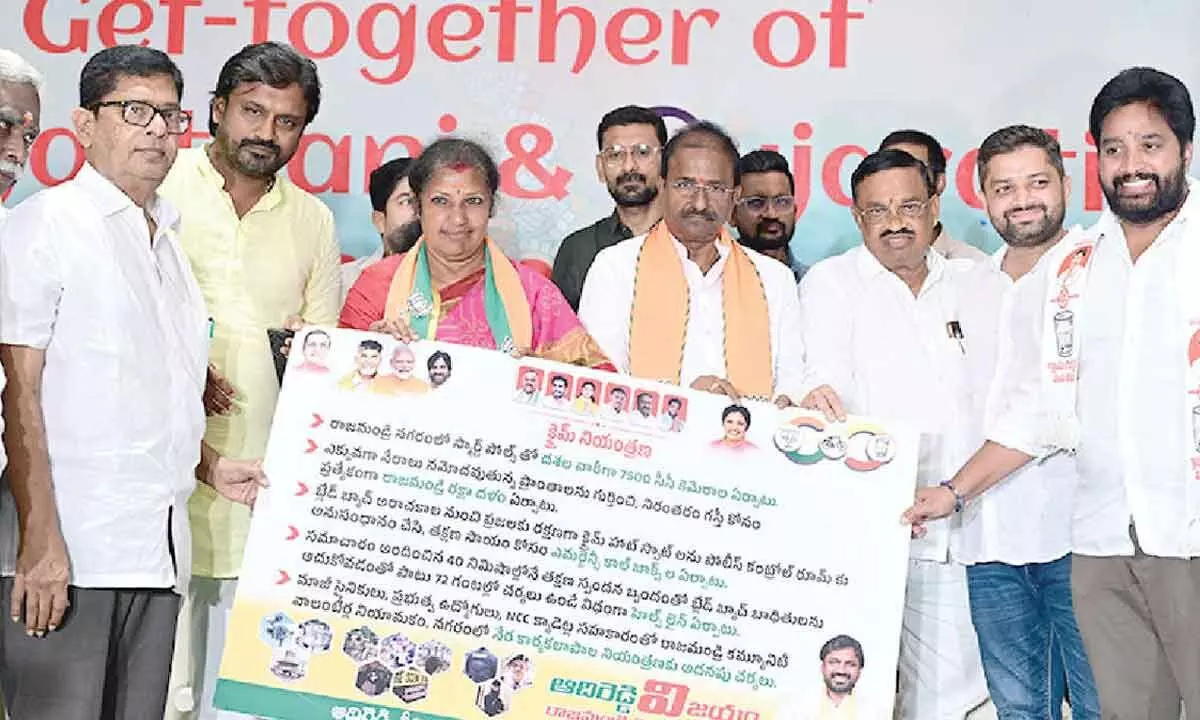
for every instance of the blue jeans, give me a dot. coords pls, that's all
(1031, 648)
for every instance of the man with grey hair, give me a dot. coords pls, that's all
(20, 116)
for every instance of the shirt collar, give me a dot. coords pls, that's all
(111, 200)
(870, 267)
(270, 199)
(613, 224)
(722, 254)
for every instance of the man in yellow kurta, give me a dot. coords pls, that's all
(265, 255)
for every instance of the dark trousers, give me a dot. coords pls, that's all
(109, 660)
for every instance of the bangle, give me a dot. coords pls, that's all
(958, 499)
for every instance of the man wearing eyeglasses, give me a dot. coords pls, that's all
(765, 216)
(630, 140)
(266, 256)
(103, 340)
(902, 332)
(928, 150)
(686, 304)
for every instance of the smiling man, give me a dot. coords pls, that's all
(902, 332)
(20, 117)
(1131, 418)
(265, 255)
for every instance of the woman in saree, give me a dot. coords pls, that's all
(455, 285)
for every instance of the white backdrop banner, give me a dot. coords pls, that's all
(821, 80)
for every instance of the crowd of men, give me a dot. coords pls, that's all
(1057, 525)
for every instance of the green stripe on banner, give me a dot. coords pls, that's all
(290, 705)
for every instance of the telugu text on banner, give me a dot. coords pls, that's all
(451, 533)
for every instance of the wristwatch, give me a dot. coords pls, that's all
(958, 498)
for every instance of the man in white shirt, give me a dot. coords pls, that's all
(901, 332)
(1122, 398)
(1016, 539)
(685, 303)
(928, 150)
(20, 118)
(557, 398)
(103, 338)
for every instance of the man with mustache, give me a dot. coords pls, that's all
(1110, 375)
(928, 150)
(765, 215)
(102, 338)
(394, 215)
(1018, 561)
(20, 118)
(631, 140)
(686, 304)
(902, 332)
(265, 255)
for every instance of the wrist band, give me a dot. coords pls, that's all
(958, 499)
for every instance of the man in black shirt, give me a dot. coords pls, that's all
(630, 139)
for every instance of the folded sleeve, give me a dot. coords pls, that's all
(30, 274)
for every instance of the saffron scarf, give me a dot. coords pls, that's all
(659, 317)
(413, 297)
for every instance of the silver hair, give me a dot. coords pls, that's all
(15, 69)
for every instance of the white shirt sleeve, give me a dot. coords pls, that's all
(30, 275)
(1021, 417)
(792, 377)
(826, 330)
(605, 305)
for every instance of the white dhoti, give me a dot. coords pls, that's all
(941, 675)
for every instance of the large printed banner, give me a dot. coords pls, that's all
(451, 533)
(821, 80)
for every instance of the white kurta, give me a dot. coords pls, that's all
(893, 355)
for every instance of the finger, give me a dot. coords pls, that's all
(918, 532)
(835, 403)
(58, 607)
(18, 597)
(826, 408)
(37, 610)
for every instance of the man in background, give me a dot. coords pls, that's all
(631, 139)
(265, 256)
(394, 215)
(928, 150)
(765, 215)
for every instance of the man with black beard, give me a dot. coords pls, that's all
(631, 139)
(1112, 377)
(265, 255)
(394, 215)
(765, 216)
(1019, 562)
